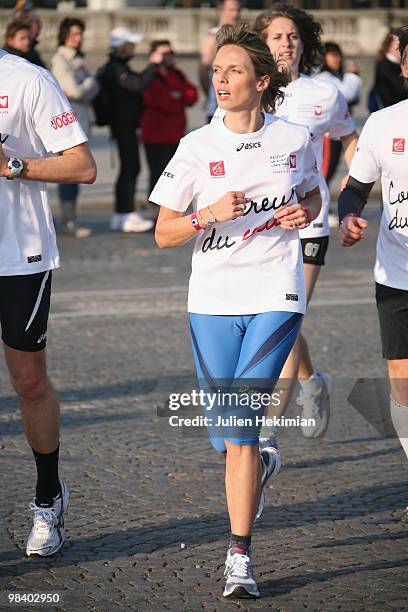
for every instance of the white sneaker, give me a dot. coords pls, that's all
(130, 222)
(316, 406)
(271, 466)
(240, 582)
(47, 534)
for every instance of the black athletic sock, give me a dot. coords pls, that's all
(240, 544)
(48, 484)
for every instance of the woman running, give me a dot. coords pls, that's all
(252, 182)
(293, 37)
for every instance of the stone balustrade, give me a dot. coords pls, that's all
(359, 32)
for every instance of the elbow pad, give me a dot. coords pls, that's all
(353, 198)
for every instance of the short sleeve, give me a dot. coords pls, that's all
(341, 122)
(311, 176)
(364, 166)
(52, 116)
(176, 188)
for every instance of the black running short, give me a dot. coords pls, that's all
(24, 309)
(314, 250)
(392, 306)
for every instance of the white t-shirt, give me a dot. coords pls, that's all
(323, 109)
(35, 119)
(251, 264)
(350, 85)
(382, 150)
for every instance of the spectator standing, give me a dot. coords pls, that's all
(17, 38)
(228, 14)
(80, 87)
(389, 84)
(23, 11)
(123, 88)
(163, 121)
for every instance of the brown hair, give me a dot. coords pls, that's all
(261, 59)
(15, 26)
(155, 44)
(310, 33)
(65, 26)
(402, 34)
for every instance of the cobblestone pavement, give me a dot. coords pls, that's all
(147, 526)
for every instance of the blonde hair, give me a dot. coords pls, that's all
(261, 58)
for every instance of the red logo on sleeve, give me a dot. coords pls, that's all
(292, 160)
(60, 121)
(398, 145)
(4, 102)
(217, 168)
(318, 110)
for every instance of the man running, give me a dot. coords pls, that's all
(382, 151)
(35, 119)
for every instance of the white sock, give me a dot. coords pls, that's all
(311, 385)
(399, 417)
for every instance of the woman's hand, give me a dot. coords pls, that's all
(293, 217)
(230, 206)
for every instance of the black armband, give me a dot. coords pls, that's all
(353, 198)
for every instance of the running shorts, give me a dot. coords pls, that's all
(314, 250)
(392, 306)
(24, 309)
(235, 354)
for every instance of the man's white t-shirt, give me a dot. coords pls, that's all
(251, 264)
(35, 119)
(382, 150)
(323, 109)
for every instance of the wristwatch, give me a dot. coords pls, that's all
(16, 166)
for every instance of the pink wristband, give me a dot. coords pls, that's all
(195, 222)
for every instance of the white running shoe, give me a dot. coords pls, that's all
(47, 534)
(271, 466)
(130, 222)
(240, 583)
(316, 406)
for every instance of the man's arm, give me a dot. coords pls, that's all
(74, 165)
(350, 206)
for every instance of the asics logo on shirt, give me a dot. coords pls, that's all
(398, 145)
(60, 121)
(4, 102)
(248, 145)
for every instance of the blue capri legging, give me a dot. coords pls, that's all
(237, 353)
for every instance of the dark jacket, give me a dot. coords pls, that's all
(31, 55)
(389, 82)
(164, 117)
(125, 88)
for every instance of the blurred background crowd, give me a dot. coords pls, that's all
(143, 104)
